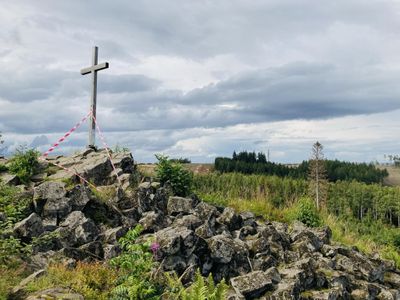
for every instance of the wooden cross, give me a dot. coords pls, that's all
(93, 70)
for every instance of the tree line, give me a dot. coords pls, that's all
(256, 163)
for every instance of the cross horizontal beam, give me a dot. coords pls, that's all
(94, 68)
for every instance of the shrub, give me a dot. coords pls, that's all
(180, 179)
(307, 213)
(135, 263)
(24, 164)
(202, 288)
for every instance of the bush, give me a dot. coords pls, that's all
(307, 213)
(180, 179)
(24, 164)
(135, 263)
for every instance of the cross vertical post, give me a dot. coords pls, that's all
(93, 100)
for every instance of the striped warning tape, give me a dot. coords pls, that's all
(69, 171)
(67, 134)
(107, 148)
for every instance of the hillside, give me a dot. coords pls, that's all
(68, 228)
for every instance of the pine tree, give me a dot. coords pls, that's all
(1, 143)
(317, 176)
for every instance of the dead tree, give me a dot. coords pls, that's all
(317, 176)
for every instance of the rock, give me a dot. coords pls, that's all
(18, 291)
(55, 293)
(189, 221)
(205, 231)
(178, 205)
(359, 294)
(29, 227)
(83, 230)
(223, 248)
(273, 274)
(9, 179)
(80, 196)
(252, 285)
(230, 219)
(151, 221)
(171, 240)
(50, 200)
(112, 235)
(393, 279)
(286, 289)
(93, 249)
(206, 211)
(111, 251)
(248, 219)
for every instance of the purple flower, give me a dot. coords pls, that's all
(154, 248)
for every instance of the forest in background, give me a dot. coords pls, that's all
(256, 163)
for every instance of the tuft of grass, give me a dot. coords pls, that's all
(92, 280)
(9, 278)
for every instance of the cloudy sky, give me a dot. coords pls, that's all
(200, 79)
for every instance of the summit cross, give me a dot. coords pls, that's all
(93, 70)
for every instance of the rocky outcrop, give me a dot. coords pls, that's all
(260, 259)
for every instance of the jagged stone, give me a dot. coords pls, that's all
(82, 230)
(273, 274)
(112, 235)
(286, 289)
(206, 211)
(230, 218)
(189, 221)
(111, 251)
(80, 196)
(393, 279)
(9, 179)
(151, 221)
(224, 248)
(178, 205)
(252, 285)
(29, 227)
(94, 249)
(172, 238)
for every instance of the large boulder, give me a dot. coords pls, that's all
(77, 230)
(224, 248)
(177, 205)
(252, 285)
(50, 200)
(29, 227)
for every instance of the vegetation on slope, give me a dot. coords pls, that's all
(359, 214)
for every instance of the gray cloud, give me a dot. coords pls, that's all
(248, 63)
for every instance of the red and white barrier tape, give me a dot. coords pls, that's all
(70, 171)
(67, 134)
(107, 148)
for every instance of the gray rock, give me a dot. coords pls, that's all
(171, 240)
(177, 205)
(80, 196)
(189, 221)
(151, 221)
(224, 248)
(252, 285)
(29, 227)
(83, 230)
(230, 219)
(9, 179)
(206, 211)
(112, 235)
(111, 251)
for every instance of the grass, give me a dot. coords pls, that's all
(9, 278)
(92, 280)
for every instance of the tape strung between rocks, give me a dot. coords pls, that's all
(63, 138)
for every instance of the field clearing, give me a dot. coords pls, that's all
(149, 169)
(394, 175)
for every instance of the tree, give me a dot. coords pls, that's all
(317, 176)
(1, 143)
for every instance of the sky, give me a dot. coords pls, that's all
(200, 79)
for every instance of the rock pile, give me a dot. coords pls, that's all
(260, 259)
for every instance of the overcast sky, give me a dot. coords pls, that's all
(200, 79)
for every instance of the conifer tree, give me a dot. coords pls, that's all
(1, 143)
(317, 176)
